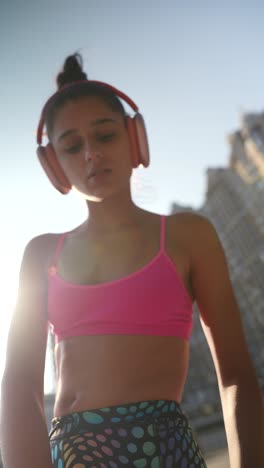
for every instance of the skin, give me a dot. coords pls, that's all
(119, 233)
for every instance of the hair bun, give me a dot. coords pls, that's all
(72, 71)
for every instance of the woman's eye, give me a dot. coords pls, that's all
(102, 138)
(106, 137)
(73, 149)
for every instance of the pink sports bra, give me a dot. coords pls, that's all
(151, 301)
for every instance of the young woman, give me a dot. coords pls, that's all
(118, 292)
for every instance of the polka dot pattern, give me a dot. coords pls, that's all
(151, 434)
(177, 444)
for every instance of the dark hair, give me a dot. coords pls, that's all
(72, 71)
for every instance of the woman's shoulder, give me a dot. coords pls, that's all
(42, 248)
(42, 242)
(187, 222)
(187, 216)
(188, 229)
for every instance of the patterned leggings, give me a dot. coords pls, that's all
(153, 433)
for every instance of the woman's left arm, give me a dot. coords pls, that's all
(241, 396)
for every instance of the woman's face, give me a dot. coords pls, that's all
(87, 135)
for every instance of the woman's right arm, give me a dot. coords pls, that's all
(24, 434)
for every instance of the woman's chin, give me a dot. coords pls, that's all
(95, 195)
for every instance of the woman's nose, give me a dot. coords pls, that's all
(91, 153)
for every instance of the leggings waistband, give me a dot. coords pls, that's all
(125, 413)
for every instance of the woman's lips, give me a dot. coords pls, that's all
(100, 174)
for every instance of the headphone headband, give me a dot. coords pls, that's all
(71, 85)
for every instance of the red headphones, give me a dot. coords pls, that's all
(136, 131)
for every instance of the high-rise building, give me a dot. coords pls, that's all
(247, 149)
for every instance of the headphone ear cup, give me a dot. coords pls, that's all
(138, 140)
(142, 139)
(133, 139)
(48, 160)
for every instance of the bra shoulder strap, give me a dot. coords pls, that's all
(58, 249)
(162, 232)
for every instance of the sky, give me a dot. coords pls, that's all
(191, 67)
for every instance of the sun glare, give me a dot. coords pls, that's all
(9, 282)
(9, 276)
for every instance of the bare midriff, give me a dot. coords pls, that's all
(105, 370)
(98, 371)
